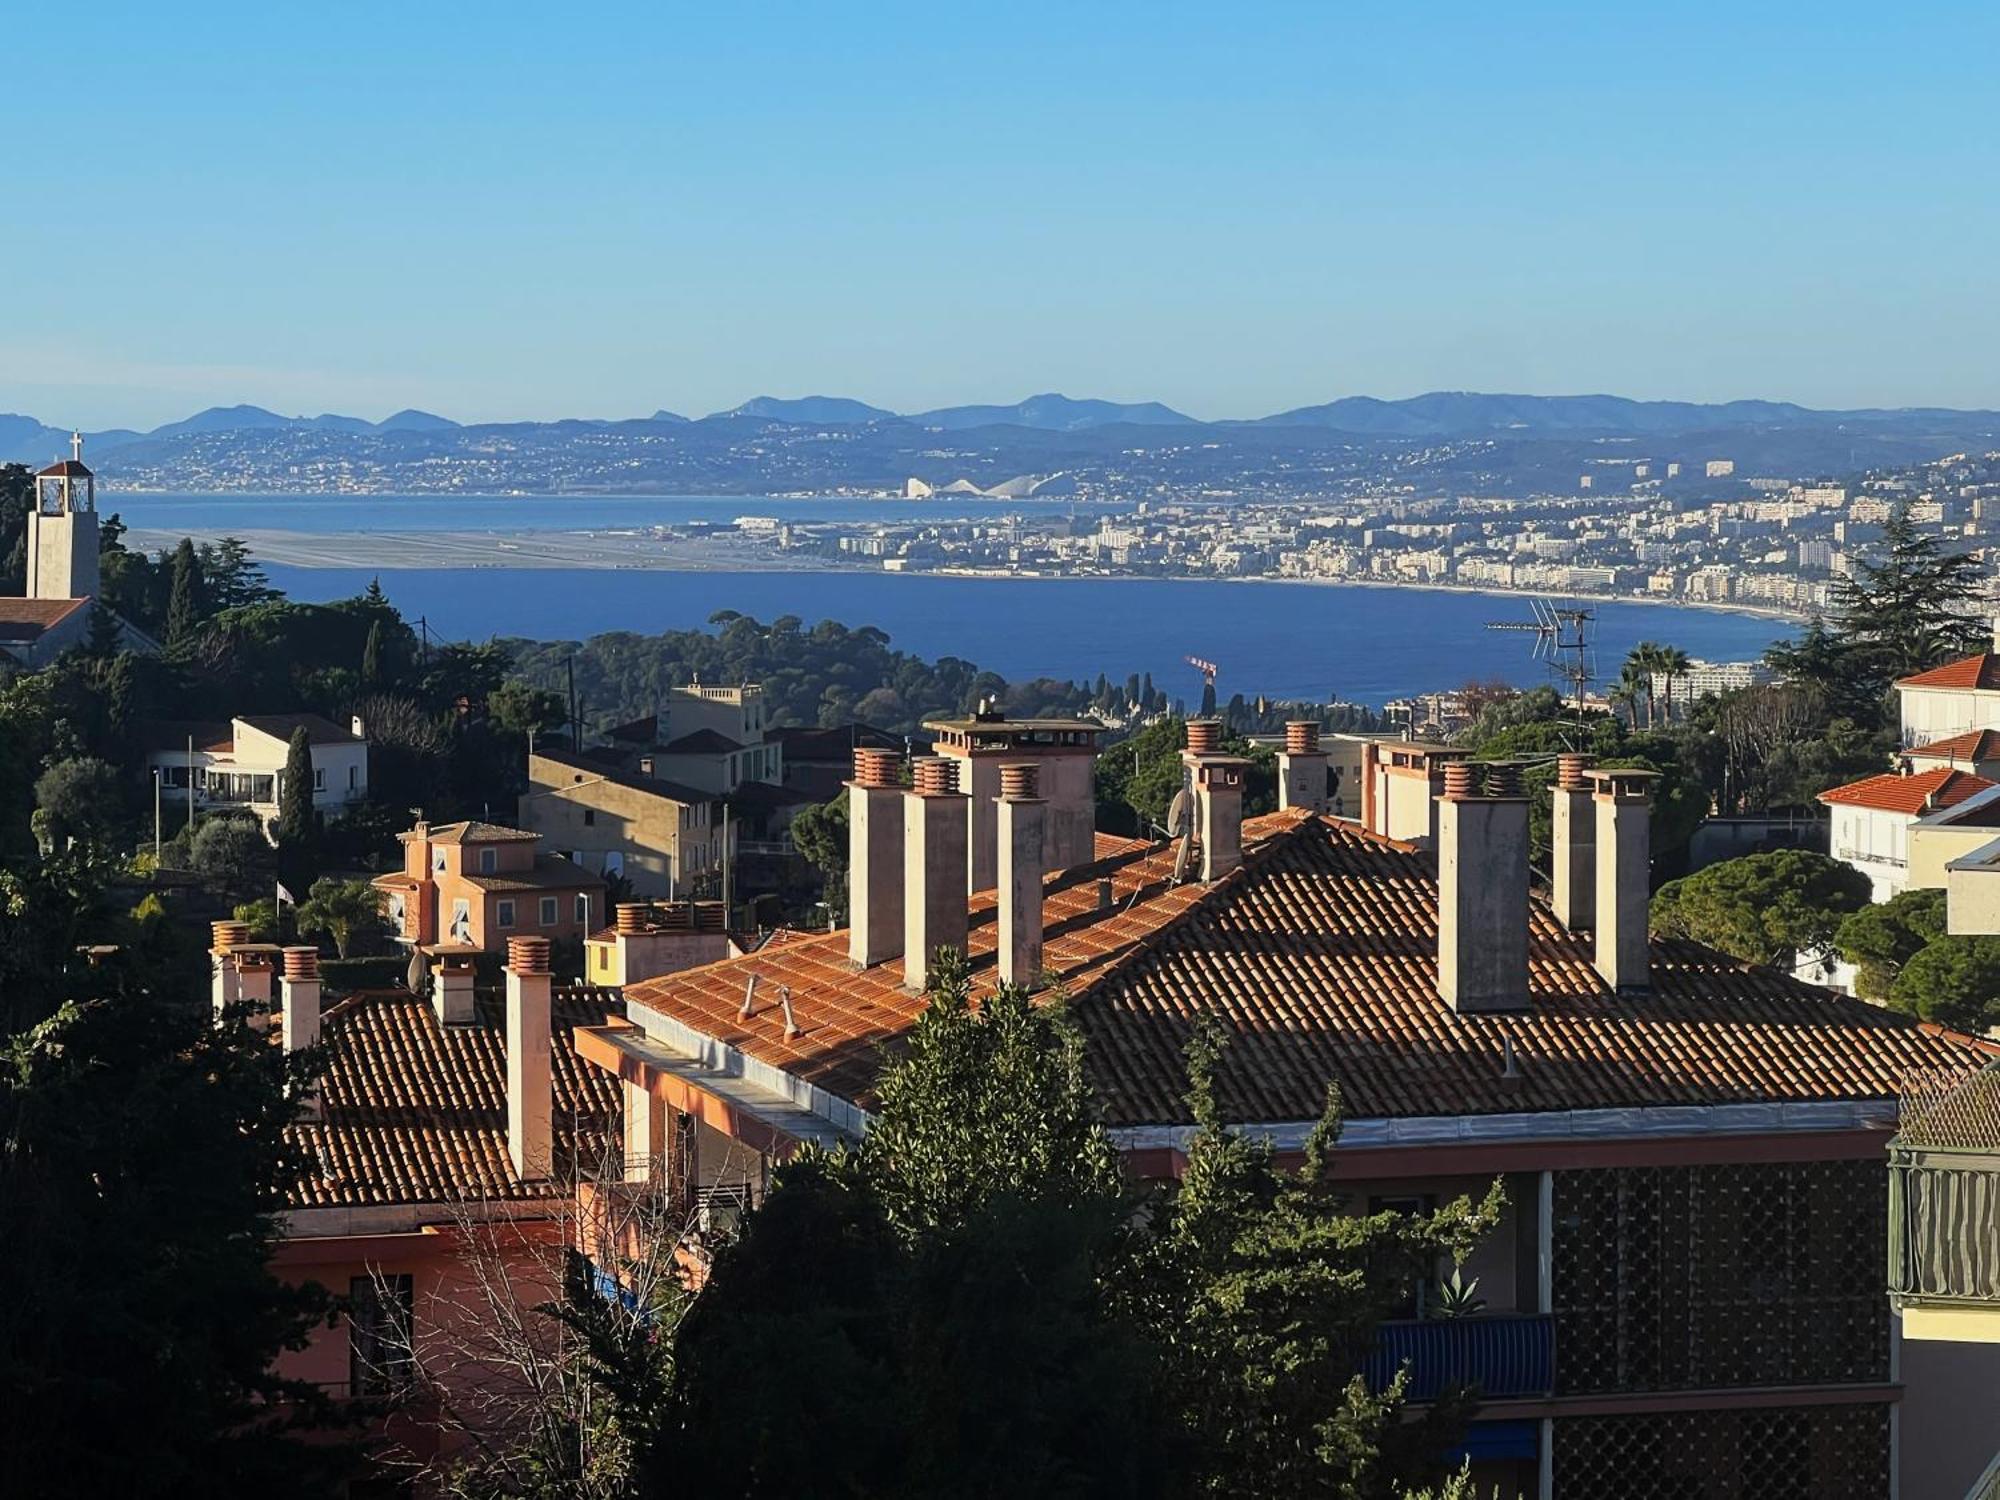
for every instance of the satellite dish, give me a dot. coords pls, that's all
(1180, 814)
(414, 976)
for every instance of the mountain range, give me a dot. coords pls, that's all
(778, 441)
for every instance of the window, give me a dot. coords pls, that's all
(590, 817)
(1412, 1205)
(503, 914)
(437, 861)
(548, 911)
(487, 859)
(353, 777)
(319, 778)
(461, 920)
(380, 1326)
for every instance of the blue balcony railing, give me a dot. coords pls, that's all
(1505, 1357)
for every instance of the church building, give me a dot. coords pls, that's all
(62, 578)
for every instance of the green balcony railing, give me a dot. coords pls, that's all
(1944, 1191)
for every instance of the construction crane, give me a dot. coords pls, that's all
(1562, 639)
(1208, 669)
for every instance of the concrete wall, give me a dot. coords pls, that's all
(1972, 902)
(62, 555)
(1950, 1417)
(1935, 845)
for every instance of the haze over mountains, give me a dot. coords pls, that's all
(1439, 414)
(1499, 443)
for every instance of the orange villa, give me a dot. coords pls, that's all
(475, 885)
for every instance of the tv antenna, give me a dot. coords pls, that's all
(1562, 639)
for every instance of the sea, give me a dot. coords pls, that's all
(1311, 642)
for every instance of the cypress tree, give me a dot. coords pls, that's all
(295, 828)
(183, 595)
(371, 656)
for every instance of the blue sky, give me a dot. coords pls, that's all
(503, 212)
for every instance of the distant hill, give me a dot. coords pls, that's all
(840, 409)
(1052, 412)
(411, 420)
(1468, 413)
(28, 440)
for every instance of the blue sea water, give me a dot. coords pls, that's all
(1304, 641)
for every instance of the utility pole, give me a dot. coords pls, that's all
(158, 781)
(190, 770)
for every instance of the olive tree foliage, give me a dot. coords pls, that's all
(1762, 908)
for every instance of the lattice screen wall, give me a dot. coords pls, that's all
(1755, 1453)
(1691, 1278)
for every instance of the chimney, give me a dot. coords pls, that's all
(301, 1005)
(1483, 889)
(1302, 767)
(935, 825)
(874, 859)
(360, 727)
(1573, 841)
(299, 998)
(451, 989)
(1218, 797)
(530, 1085)
(1023, 823)
(1624, 861)
(225, 981)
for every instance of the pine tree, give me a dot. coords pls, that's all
(184, 595)
(105, 636)
(1910, 607)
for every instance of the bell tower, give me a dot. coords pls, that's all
(62, 530)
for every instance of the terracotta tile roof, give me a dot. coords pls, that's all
(551, 873)
(1981, 671)
(416, 1112)
(319, 731)
(1973, 745)
(1320, 956)
(27, 619)
(1922, 792)
(701, 742)
(474, 832)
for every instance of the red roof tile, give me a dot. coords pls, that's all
(1973, 745)
(27, 619)
(1921, 792)
(413, 1111)
(1320, 955)
(1981, 671)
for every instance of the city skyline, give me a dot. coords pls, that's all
(509, 218)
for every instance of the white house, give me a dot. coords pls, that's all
(1872, 819)
(1951, 700)
(241, 765)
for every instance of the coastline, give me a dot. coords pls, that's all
(474, 552)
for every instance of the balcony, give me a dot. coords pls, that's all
(1506, 1358)
(1944, 1206)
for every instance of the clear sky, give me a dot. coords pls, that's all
(498, 211)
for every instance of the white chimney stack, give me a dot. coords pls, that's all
(1482, 856)
(299, 1000)
(1624, 861)
(225, 978)
(874, 859)
(452, 990)
(530, 1067)
(935, 829)
(1023, 831)
(1302, 767)
(1573, 846)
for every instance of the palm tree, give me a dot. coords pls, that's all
(1632, 685)
(1640, 665)
(1673, 662)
